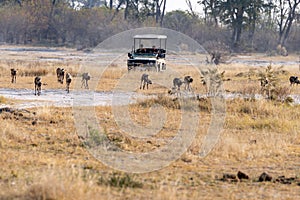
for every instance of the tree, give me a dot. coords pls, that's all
(89, 3)
(239, 14)
(191, 9)
(140, 10)
(211, 11)
(286, 14)
(253, 11)
(178, 20)
(233, 15)
(160, 11)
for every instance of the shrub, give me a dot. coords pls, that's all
(34, 72)
(269, 84)
(164, 101)
(94, 138)
(120, 181)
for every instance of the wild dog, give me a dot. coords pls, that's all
(177, 82)
(37, 85)
(145, 81)
(13, 73)
(187, 82)
(68, 81)
(294, 80)
(60, 73)
(84, 81)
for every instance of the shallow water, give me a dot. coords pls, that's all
(60, 98)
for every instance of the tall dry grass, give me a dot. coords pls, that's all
(3, 100)
(47, 160)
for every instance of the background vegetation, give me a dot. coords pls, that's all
(240, 25)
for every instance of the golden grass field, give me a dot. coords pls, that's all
(43, 158)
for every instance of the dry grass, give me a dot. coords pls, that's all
(3, 100)
(42, 157)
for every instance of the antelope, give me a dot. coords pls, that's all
(13, 73)
(68, 81)
(145, 81)
(60, 73)
(37, 85)
(85, 78)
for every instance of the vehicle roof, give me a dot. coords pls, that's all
(150, 36)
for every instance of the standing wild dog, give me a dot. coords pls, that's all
(84, 81)
(294, 80)
(68, 81)
(187, 82)
(177, 82)
(37, 85)
(60, 73)
(13, 73)
(145, 81)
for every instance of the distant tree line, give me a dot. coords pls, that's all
(239, 25)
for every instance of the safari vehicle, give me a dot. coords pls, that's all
(148, 53)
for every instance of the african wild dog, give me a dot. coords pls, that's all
(294, 80)
(13, 73)
(177, 82)
(187, 82)
(68, 81)
(37, 85)
(60, 73)
(85, 78)
(145, 81)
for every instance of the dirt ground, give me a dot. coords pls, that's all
(45, 156)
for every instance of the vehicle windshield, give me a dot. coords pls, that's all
(149, 44)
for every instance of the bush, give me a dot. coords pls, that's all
(269, 84)
(120, 181)
(94, 138)
(164, 101)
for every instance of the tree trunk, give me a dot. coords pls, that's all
(163, 13)
(239, 19)
(126, 10)
(157, 14)
(290, 19)
(110, 4)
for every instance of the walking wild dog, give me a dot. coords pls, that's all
(60, 73)
(68, 81)
(37, 85)
(85, 78)
(187, 82)
(145, 81)
(177, 82)
(294, 80)
(13, 73)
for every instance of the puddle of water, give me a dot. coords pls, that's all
(30, 49)
(60, 98)
(263, 62)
